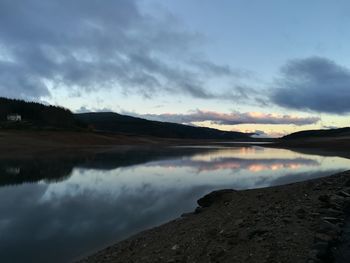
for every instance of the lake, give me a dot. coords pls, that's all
(60, 209)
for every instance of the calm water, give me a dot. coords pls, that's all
(57, 210)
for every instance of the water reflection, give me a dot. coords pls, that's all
(252, 165)
(58, 209)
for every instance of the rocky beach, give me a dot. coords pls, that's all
(299, 222)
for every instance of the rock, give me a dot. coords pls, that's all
(186, 214)
(257, 232)
(213, 197)
(212, 232)
(321, 249)
(323, 237)
(231, 234)
(287, 220)
(289, 238)
(325, 182)
(324, 198)
(313, 255)
(328, 227)
(216, 254)
(347, 183)
(347, 202)
(333, 220)
(315, 214)
(335, 205)
(343, 194)
(331, 212)
(300, 212)
(198, 210)
(232, 241)
(238, 222)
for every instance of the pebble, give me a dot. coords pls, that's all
(175, 247)
(213, 197)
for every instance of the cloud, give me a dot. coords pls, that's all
(213, 69)
(330, 127)
(260, 134)
(233, 118)
(233, 163)
(85, 109)
(316, 84)
(85, 46)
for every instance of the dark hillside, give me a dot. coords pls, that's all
(113, 122)
(36, 115)
(39, 116)
(341, 132)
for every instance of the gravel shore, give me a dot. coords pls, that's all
(300, 222)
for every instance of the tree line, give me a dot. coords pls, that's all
(38, 114)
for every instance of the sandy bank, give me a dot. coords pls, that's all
(300, 222)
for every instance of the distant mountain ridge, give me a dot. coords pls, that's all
(39, 116)
(114, 122)
(340, 132)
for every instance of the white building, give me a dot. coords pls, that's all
(14, 117)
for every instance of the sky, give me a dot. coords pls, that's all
(271, 67)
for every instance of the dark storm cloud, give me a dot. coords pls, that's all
(316, 84)
(233, 118)
(87, 45)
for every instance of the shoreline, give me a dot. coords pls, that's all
(15, 143)
(32, 142)
(298, 222)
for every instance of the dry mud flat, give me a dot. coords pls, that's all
(300, 222)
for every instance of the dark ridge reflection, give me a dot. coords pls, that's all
(56, 169)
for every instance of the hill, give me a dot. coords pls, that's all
(47, 117)
(36, 115)
(309, 134)
(117, 123)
